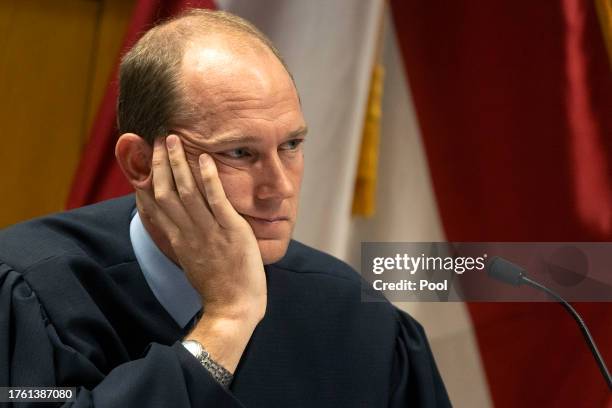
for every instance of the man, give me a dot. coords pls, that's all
(164, 300)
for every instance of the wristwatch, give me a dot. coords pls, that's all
(218, 372)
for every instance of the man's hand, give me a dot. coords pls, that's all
(213, 244)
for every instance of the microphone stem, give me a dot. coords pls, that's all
(585, 331)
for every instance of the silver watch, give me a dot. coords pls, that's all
(218, 372)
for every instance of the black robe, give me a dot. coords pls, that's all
(75, 310)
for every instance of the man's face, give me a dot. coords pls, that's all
(251, 123)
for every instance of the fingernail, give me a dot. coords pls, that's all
(204, 160)
(171, 141)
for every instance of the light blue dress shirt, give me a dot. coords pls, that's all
(166, 280)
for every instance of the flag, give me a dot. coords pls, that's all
(98, 175)
(513, 101)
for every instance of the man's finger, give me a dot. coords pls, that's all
(220, 206)
(164, 188)
(155, 215)
(188, 191)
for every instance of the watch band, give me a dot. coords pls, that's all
(219, 373)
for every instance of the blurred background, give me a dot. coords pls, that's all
(429, 121)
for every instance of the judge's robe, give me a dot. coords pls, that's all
(75, 310)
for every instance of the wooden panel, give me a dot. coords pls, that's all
(604, 10)
(52, 74)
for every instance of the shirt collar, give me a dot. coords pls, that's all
(166, 280)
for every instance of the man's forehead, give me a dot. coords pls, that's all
(225, 53)
(205, 58)
(239, 92)
(215, 72)
(234, 137)
(234, 133)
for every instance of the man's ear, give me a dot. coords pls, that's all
(134, 155)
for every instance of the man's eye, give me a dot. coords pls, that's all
(292, 144)
(236, 153)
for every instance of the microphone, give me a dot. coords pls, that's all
(508, 272)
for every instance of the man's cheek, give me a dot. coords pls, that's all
(237, 190)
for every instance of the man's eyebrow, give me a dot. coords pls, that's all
(237, 138)
(298, 132)
(232, 139)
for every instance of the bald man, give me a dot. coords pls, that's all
(191, 292)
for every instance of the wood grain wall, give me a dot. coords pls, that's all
(55, 62)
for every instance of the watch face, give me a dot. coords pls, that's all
(193, 347)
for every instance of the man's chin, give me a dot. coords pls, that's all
(272, 250)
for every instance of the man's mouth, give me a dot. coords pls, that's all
(266, 219)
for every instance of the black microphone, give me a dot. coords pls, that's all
(505, 271)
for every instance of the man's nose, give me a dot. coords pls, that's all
(275, 182)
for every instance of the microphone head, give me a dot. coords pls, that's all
(505, 271)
